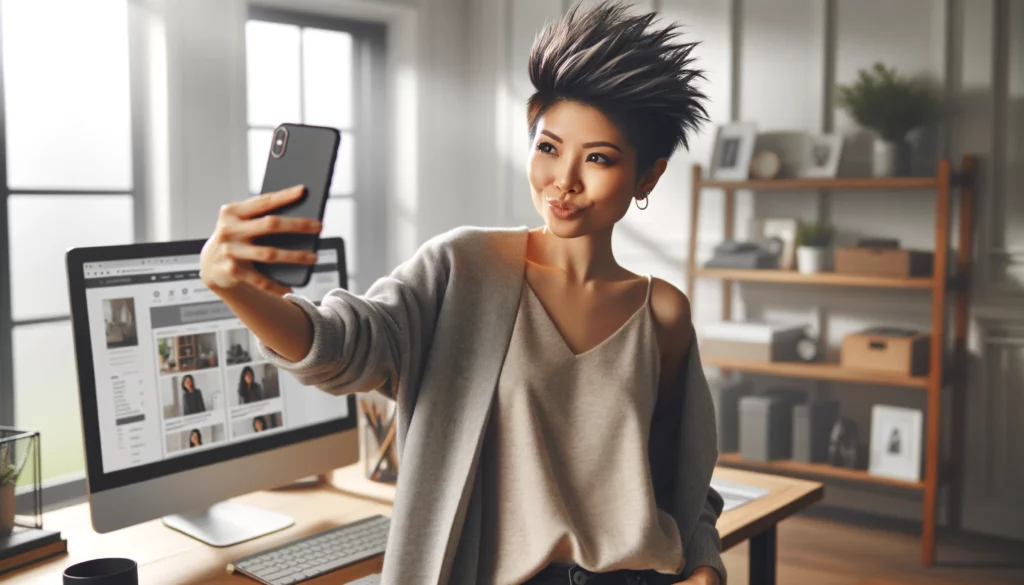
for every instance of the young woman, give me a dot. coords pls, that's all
(195, 439)
(192, 397)
(555, 425)
(248, 389)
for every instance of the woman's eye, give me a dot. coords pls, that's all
(599, 158)
(546, 147)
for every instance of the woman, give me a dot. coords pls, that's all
(192, 397)
(258, 424)
(195, 439)
(248, 389)
(554, 422)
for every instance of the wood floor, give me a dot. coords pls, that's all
(823, 550)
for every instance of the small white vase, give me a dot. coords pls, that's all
(6, 509)
(810, 259)
(890, 158)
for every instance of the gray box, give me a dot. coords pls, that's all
(812, 425)
(726, 396)
(766, 425)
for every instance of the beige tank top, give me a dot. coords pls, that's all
(566, 474)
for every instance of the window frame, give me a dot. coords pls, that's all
(68, 488)
(369, 127)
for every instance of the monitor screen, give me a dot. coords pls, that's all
(178, 376)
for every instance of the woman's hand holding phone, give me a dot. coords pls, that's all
(226, 259)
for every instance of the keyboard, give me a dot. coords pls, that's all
(312, 556)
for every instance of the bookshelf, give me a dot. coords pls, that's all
(944, 286)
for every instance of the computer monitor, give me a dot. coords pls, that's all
(172, 425)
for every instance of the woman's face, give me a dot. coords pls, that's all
(258, 425)
(194, 438)
(189, 384)
(248, 377)
(581, 169)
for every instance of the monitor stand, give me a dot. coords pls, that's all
(228, 523)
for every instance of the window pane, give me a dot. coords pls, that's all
(66, 83)
(46, 394)
(340, 220)
(327, 75)
(259, 147)
(272, 72)
(42, 228)
(344, 180)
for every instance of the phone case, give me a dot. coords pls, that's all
(306, 157)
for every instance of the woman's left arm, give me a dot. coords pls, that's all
(684, 442)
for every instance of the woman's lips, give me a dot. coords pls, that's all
(564, 211)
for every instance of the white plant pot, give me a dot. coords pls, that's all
(810, 259)
(6, 509)
(890, 158)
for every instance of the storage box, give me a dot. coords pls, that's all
(888, 350)
(754, 342)
(888, 262)
(726, 396)
(812, 425)
(766, 420)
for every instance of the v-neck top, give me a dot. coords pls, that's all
(566, 472)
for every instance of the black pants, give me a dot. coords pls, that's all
(561, 574)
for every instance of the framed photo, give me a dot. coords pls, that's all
(820, 156)
(784, 230)
(734, 148)
(896, 442)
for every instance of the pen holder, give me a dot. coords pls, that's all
(378, 428)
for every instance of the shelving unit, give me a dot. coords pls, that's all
(942, 285)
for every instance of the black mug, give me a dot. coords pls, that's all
(103, 572)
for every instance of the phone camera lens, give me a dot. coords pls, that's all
(280, 140)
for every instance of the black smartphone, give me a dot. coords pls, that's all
(299, 155)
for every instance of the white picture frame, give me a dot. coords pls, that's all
(734, 149)
(896, 439)
(820, 156)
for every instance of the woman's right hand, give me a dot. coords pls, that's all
(227, 257)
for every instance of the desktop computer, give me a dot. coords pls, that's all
(179, 411)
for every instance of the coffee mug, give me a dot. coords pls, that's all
(112, 571)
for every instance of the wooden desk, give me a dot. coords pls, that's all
(167, 556)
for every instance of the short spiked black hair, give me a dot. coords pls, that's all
(617, 62)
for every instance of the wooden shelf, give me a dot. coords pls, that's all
(821, 278)
(851, 183)
(819, 470)
(819, 371)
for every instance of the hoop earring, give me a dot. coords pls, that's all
(646, 199)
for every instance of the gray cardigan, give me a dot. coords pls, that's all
(433, 336)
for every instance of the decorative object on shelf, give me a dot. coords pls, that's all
(807, 349)
(821, 155)
(726, 394)
(766, 165)
(379, 450)
(19, 465)
(887, 349)
(896, 442)
(766, 424)
(882, 100)
(884, 261)
(751, 341)
(843, 444)
(812, 423)
(745, 255)
(813, 240)
(734, 148)
(784, 230)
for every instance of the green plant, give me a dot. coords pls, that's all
(164, 348)
(816, 235)
(8, 470)
(888, 103)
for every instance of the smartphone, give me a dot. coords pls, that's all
(299, 155)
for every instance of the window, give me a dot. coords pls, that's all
(67, 178)
(322, 72)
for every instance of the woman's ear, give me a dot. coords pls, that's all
(651, 177)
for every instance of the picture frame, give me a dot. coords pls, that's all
(734, 149)
(783, 228)
(896, 439)
(820, 156)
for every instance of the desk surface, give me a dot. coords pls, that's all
(167, 556)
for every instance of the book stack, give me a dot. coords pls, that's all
(25, 546)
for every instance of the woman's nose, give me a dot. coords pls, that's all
(568, 179)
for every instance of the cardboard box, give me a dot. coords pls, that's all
(754, 342)
(887, 350)
(888, 262)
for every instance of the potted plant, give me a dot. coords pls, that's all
(8, 478)
(891, 105)
(812, 240)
